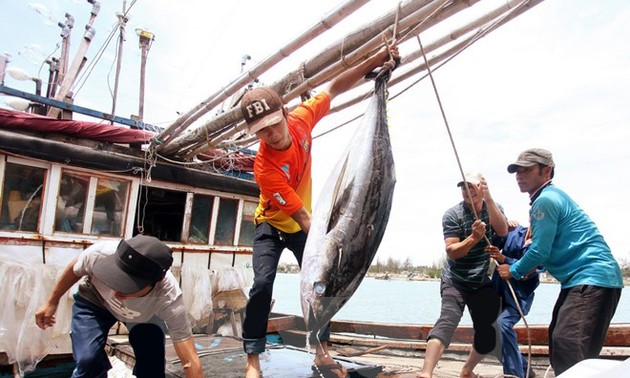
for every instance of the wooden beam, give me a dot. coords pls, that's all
(618, 334)
(282, 323)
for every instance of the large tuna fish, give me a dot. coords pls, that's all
(350, 217)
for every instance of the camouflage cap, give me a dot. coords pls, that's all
(531, 157)
(471, 178)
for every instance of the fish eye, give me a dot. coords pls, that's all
(319, 288)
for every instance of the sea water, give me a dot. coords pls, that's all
(414, 302)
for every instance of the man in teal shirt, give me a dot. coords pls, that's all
(567, 242)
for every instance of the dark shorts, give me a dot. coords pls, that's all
(483, 304)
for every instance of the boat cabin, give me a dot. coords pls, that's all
(62, 189)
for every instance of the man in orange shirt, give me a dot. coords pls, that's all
(283, 172)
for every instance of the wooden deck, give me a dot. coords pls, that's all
(399, 348)
(366, 349)
(223, 357)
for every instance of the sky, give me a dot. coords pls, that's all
(556, 77)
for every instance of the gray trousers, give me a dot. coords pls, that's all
(483, 304)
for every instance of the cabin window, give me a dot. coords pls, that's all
(226, 222)
(73, 191)
(161, 213)
(22, 197)
(106, 214)
(110, 203)
(200, 219)
(247, 224)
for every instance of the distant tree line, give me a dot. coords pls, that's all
(390, 266)
(393, 266)
(625, 267)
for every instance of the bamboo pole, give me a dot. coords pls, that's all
(412, 23)
(412, 12)
(418, 18)
(492, 20)
(192, 115)
(322, 60)
(341, 49)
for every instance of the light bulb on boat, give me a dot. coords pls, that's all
(144, 34)
(18, 74)
(17, 103)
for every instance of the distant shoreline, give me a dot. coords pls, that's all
(544, 278)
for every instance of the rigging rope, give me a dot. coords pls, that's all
(448, 129)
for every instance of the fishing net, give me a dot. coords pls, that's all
(195, 284)
(230, 279)
(21, 290)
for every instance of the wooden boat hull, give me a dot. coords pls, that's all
(413, 337)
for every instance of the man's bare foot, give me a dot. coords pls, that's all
(252, 369)
(324, 359)
(468, 374)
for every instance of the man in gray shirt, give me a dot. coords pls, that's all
(467, 227)
(127, 281)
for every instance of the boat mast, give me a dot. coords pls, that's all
(146, 39)
(122, 23)
(62, 66)
(77, 63)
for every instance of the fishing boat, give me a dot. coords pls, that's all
(68, 183)
(72, 176)
(65, 189)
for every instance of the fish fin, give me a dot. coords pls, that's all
(335, 196)
(340, 259)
